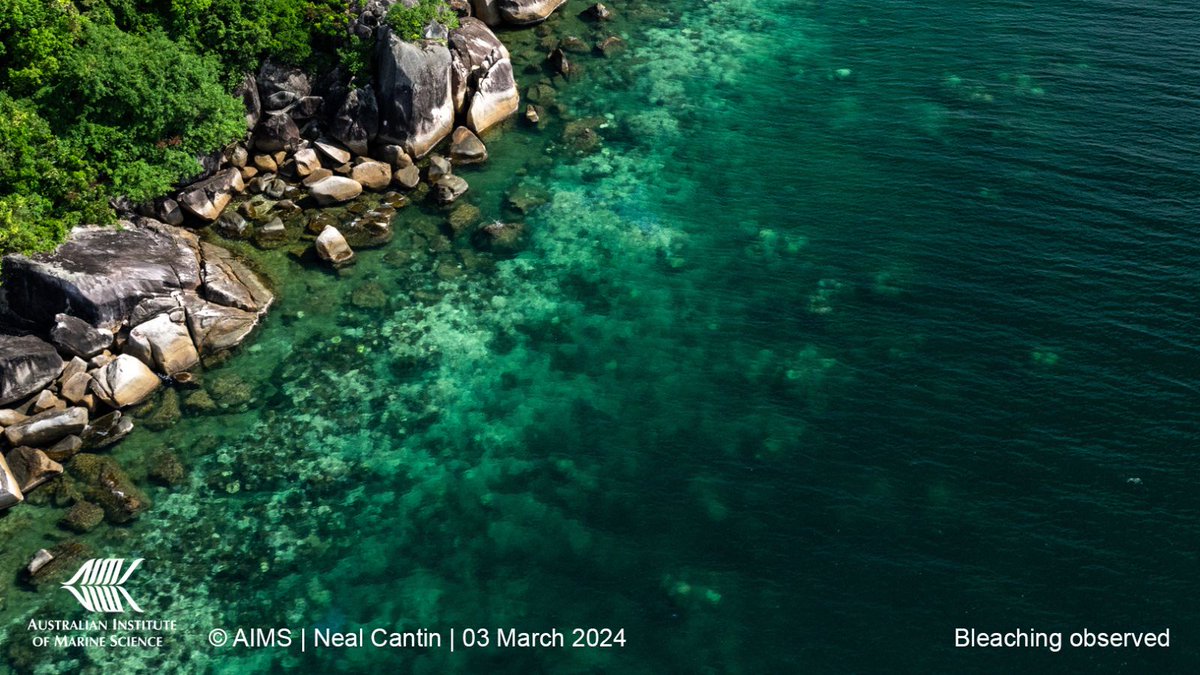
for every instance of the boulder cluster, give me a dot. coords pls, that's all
(97, 327)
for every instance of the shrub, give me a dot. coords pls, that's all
(409, 22)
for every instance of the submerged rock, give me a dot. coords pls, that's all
(82, 517)
(106, 484)
(27, 364)
(499, 237)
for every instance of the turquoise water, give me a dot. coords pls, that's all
(860, 322)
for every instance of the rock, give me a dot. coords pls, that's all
(248, 92)
(76, 337)
(499, 237)
(167, 210)
(334, 190)
(306, 107)
(164, 344)
(560, 64)
(439, 167)
(200, 401)
(65, 449)
(31, 467)
(274, 78)
(40, 560)
(525, 12)
(487, 12)
(317, 176)
(232, 225)
(369, 296)
(598, 12)
(395, 156)
(9, 417)
(276, 131)
(482, 82)
(208, 198)
(101, 274)
(332, 247)
(610, 45)
(532, 115)
(408, 177)
(463, 216)
(46, 401)
(307, 162)
(275, 189)
(372, 175)
(124, 382)
(10, 490)
(573, 44)
(272, 232)
(76, 387)
(166, 469)
(216, 328)
(47, 427)
(106, 430)
(165, 413)
(227, 281)
(279, 100)
(82, 517)
(336, 154)
(449, 188)
(105, 484)
(27, 364)
(356, 122)
(265, 163)
(238, 156)
(466, 148)
(416, 107)
(230, 391)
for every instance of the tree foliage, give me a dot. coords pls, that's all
(410, 22)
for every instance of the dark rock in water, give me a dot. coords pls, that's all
(573, 44)
(27, 364)
(76, 337)
(560, 64)
(166, 413)
(166, 469)
(208, 198)
(106, 484)
(82, 517)
(526, 196)
(100, 274)
(525, 12)
(499, 237)
(47, 427)
(232, 226)
(581, 134)
(276, 131)
(274, 78)
(369, 296)
(462, 217)
(532, 115)
(248, 92)
(106, 430)
(598, 12)
(31, 467)
(275, 188)
(357, 121)
(481, 78)
(610, 45)
(416, 107)
(449, 188)
(466, 148)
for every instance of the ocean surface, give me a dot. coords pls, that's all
(840, 325)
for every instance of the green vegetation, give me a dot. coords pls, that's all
(409, 22)
(108, 98)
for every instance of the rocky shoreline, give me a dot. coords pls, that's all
(93, 330)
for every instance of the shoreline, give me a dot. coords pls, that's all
(142, 361)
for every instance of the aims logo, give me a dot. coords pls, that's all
(98, 585)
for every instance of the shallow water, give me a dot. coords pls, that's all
(856, 327)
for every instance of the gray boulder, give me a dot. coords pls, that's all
(10, 490)
(248, 92)
(466, 148)
(214, 327)
(357, 121)
(100, 274)
(525, 12)
(332, 247)
(164, 344)
(123, 382)
(334, 190)
(27, 364)
(415, 103)
(482, 82)
(31, 467)
(274, 78)
(449, 188)
(227, 281)
(47, 427)
(208, 198)
(276, 131)
(76, 337)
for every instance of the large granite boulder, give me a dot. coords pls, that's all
(275, 79)
(276, 131)
(163, 343)
(208, 198)
(357, 121)
(248, 92)
(124, 382)
(487, 11)
(481, 75)
(76, 337)
(47, 427)
(216, 327)
(334, 190)
(31, 467)
(415, 103)
(27, 365)
(525, 12)
(101, 273)
(227, 281)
